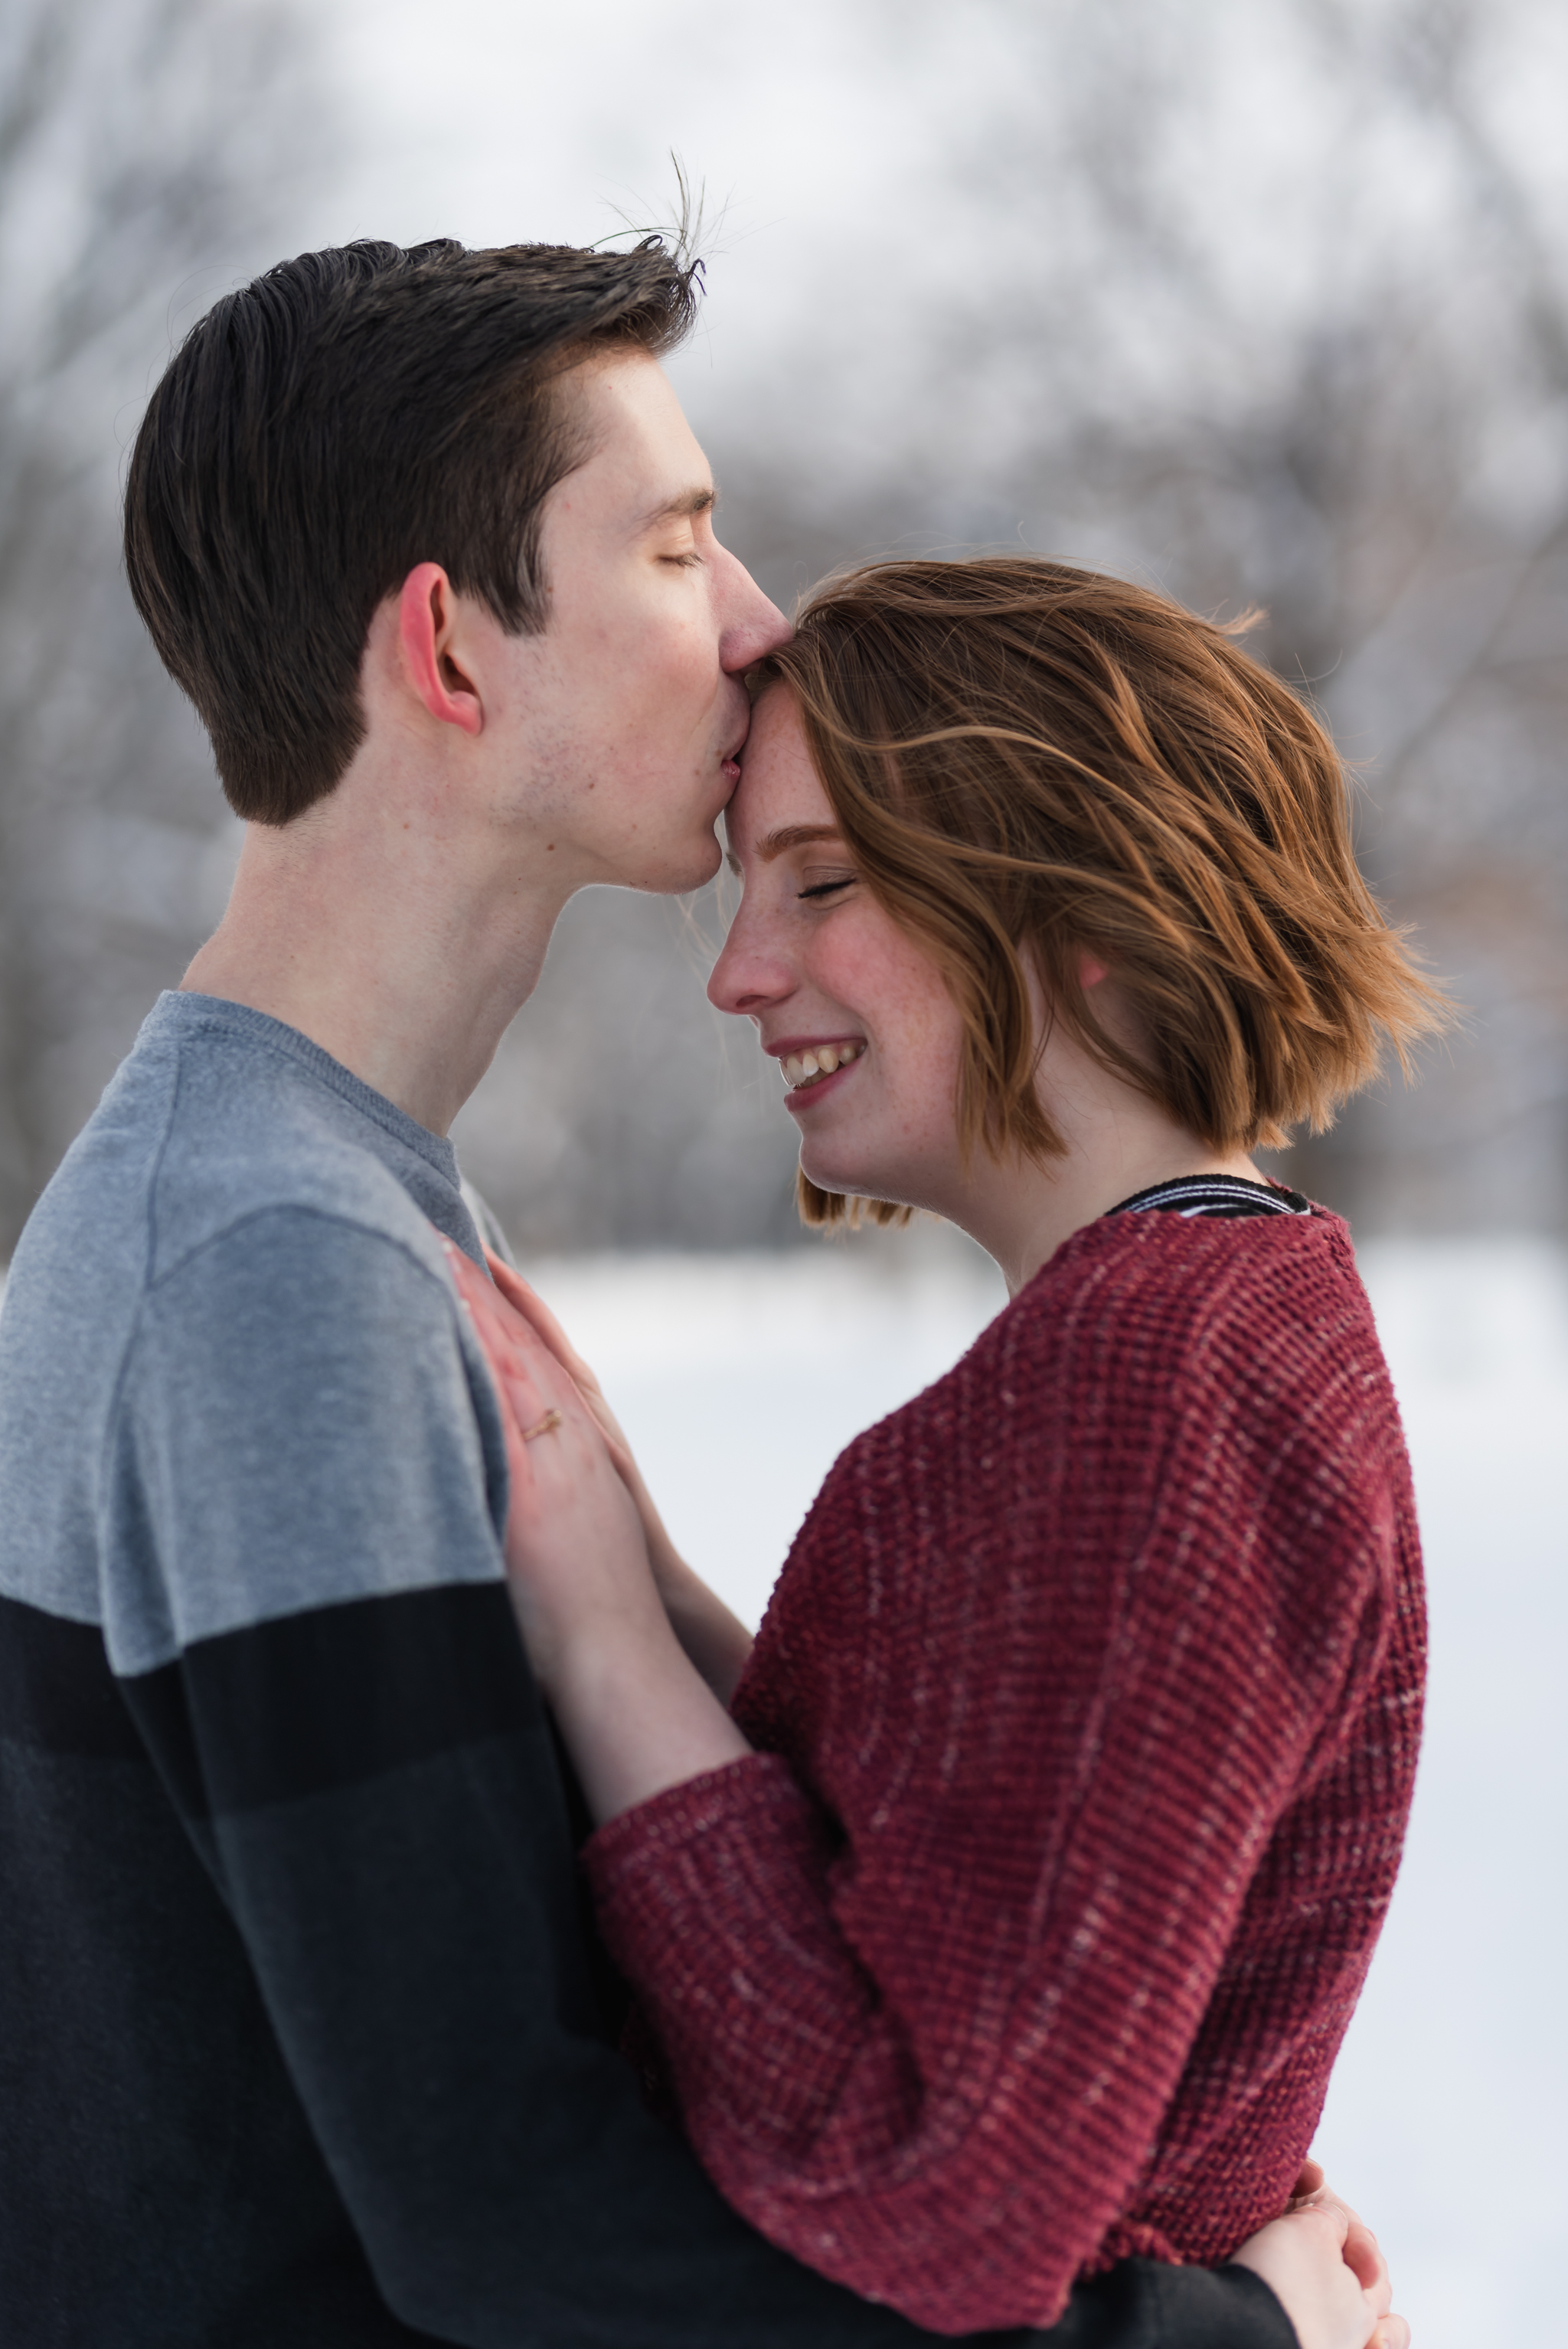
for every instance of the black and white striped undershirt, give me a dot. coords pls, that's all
(1215, 1195)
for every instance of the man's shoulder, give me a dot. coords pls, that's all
(281, 1225)
(196, 1143)
(257, 1145)
(217, 1221)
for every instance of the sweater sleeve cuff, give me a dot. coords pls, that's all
(703, 1817)
(708, 1859)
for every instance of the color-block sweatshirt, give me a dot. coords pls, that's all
(1087, 1707)
(300, 2037)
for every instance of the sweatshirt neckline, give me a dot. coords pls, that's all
(183, 1013)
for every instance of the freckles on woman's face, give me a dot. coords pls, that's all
(853, 1007)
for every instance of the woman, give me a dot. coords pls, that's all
(1009, 1918)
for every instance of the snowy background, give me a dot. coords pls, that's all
(739, 1378)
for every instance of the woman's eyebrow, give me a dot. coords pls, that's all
(792, 836)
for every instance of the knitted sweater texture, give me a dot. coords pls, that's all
(1086, 1712)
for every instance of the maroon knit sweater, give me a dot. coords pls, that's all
(1086, 1708)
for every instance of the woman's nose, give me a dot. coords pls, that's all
(749, 976)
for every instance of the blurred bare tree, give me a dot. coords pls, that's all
(1348, 403)
(148, 149)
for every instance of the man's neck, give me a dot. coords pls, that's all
(401, 952)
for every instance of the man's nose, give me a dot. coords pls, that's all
(751, 625)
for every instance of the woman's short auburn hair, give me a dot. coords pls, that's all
(1029, 762)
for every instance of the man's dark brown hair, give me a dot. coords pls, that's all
(350, 415)
(1029, 762)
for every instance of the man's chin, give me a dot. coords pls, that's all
(669, 866)
(692, 868)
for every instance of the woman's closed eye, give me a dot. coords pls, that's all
(827, 888)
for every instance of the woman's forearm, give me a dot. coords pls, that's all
(717, 1642)
(638, 1716)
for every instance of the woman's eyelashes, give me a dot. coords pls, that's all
(827, 888)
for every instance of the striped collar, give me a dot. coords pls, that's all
(1215, 1195)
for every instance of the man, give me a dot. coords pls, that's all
(302, 2041)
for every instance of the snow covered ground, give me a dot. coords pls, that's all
(738, 1380)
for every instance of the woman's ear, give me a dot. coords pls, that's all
(1091, 970)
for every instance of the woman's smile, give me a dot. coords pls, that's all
(807, 1069)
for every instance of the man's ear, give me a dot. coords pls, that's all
(426, 627)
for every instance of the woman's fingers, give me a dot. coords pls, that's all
(529, 1383)
(506, 1331)
(1302, 2257)
(518, 1318)
(576, 1557)
(1360, 2252)
(507, 1339)
(532, 1309)
(1364, 2257)
(1310, 2182)
(534, 1388)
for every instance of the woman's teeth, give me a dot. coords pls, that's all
(803, 1069)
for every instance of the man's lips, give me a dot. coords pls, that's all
(729, 763)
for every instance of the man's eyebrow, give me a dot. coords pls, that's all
(792, 836)
(686, 503)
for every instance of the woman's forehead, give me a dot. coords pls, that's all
(778, 785)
